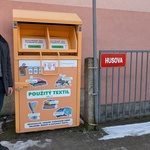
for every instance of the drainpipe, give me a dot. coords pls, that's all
(95, 86)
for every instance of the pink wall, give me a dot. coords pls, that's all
(115, 29)
(123, 30)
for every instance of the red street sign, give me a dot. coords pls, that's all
(113, 60)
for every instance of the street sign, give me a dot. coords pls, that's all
(113, 60)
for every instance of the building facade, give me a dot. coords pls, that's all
(122, 25)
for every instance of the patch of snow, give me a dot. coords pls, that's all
(137, 129)
(20, 145)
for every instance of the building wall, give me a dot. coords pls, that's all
(128, 5)
(120, 24)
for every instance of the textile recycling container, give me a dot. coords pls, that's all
(47, 69)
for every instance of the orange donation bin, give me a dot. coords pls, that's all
(47, 68)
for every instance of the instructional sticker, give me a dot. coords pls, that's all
(30, 70)
(50, 104)
(66, 111)
(36, 82)
(62, 81)
(49, 66)
(33, 115)
(22, 69)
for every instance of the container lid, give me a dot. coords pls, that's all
(45, 17)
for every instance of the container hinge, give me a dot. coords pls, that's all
(15, 25)
(92, 124)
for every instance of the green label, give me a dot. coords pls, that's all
(34, 46)
(48, 93)
(57, 46)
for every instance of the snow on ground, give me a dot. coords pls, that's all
(121, 131)
(20, 145)
(113, 132)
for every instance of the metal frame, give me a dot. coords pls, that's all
(123, 91)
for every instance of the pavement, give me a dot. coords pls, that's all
(77, 138)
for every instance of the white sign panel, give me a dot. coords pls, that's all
(59, 44)
(63, 63)
(48, 123)
(33, 43)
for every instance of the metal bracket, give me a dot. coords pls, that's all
(95, 94)
(92, 67)
(92, 124)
